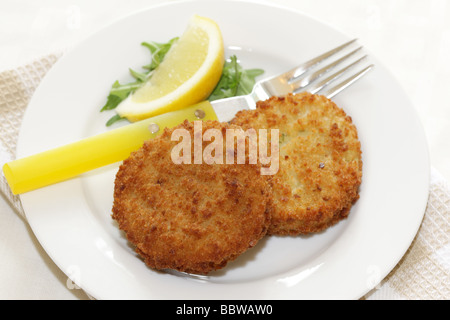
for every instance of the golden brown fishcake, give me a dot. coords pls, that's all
(320, 161)
(189, 217)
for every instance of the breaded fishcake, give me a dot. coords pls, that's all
(189, 217)
(320, 161)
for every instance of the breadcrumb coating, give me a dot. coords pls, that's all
(192, 218)
(320, 161)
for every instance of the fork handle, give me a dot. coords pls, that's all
(71, 160)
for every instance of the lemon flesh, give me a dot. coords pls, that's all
(189, 73)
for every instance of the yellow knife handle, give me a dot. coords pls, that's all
(68, 161)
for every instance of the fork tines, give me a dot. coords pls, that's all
(319, 75)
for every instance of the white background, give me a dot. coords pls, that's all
(410, 37)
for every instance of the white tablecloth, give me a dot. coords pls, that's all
(412, 38)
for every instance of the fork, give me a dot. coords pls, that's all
(314, 76)
(317, 76)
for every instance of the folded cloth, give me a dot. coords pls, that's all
(16, 88)
(423, 273)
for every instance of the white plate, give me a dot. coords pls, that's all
(72, 219)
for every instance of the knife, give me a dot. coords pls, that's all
(68, 161)
(71, 160)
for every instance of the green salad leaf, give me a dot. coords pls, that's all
(120, 92)
(235, 80)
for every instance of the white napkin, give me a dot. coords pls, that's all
(423, 273)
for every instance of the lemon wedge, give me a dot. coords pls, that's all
(188, 74)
